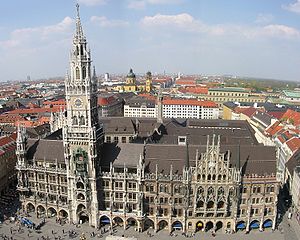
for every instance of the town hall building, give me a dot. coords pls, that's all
(188, 175)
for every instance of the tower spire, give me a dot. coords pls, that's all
(79, 32)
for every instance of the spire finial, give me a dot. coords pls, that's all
(77, 8)
(79, 32)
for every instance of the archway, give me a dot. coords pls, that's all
(30, 207)
(241, 225)
(268, 223)
(79, 185)
(41, 211)
(254, 224)
(162, 224)
(177, 225)
(51, 212)
(220, 205)
(219, 225)
(118, 221)
(131, 222)
(200, 204)
(199, 226)
(210, 205)
(104, 220)
(63, 214)
(148, 223)
(80, 196)
(209, 225)
(80, 208)
(83, 217)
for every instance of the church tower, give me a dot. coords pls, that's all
(82, 133)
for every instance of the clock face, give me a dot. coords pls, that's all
(78, 102)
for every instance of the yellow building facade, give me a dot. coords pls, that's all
(131, 85)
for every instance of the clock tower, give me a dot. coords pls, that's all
(82, 133)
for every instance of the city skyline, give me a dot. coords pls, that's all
(256, 38)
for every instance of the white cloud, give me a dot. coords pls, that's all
(164, 1)
(186, 22)
(29, 36)
(136, 4)
(92, 2)
(104, 22)
(141, 4)
(281, 31)
(264, 18)
(293, 7)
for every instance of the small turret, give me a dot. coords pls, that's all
(21, 145)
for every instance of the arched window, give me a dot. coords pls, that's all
(82, 120)
(166, 189)
(200, 191)
(221, 191)
(210, 204)
(75, 120)
(200, 204)
(209, 177)
(81, 49)
(220, 204)
(77, 74)
(83, 72)
(210, 191)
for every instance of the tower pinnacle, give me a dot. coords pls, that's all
(79, 32)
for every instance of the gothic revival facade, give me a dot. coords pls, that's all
(191, 175)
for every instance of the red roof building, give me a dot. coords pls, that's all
(292, 117)
(293, 144)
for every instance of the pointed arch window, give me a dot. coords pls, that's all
(77, 73)
(83, 72)
(75, 120)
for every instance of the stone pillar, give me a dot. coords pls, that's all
(261, 224)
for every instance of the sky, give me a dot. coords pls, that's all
(254, 38)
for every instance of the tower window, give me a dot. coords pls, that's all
(77, 73)
(83, 72)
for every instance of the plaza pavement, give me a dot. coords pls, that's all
(52, 230)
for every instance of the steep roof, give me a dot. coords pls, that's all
(293, 144)
(274, 128)
(293, 161)
(44, 149)
(260, 160)
(293, 116)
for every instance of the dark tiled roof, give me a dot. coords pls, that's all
(50, 150)
(260, 160)
(293, 162)
(121, 154)
(138, 101)
(232, 132)
(118, 125)
(263, 117)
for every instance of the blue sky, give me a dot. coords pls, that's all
(259, 38)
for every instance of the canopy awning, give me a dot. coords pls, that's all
(177, 225)
(254, 225)
(241, 226)
(268, 224)
(199, 224)
(105, 221)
